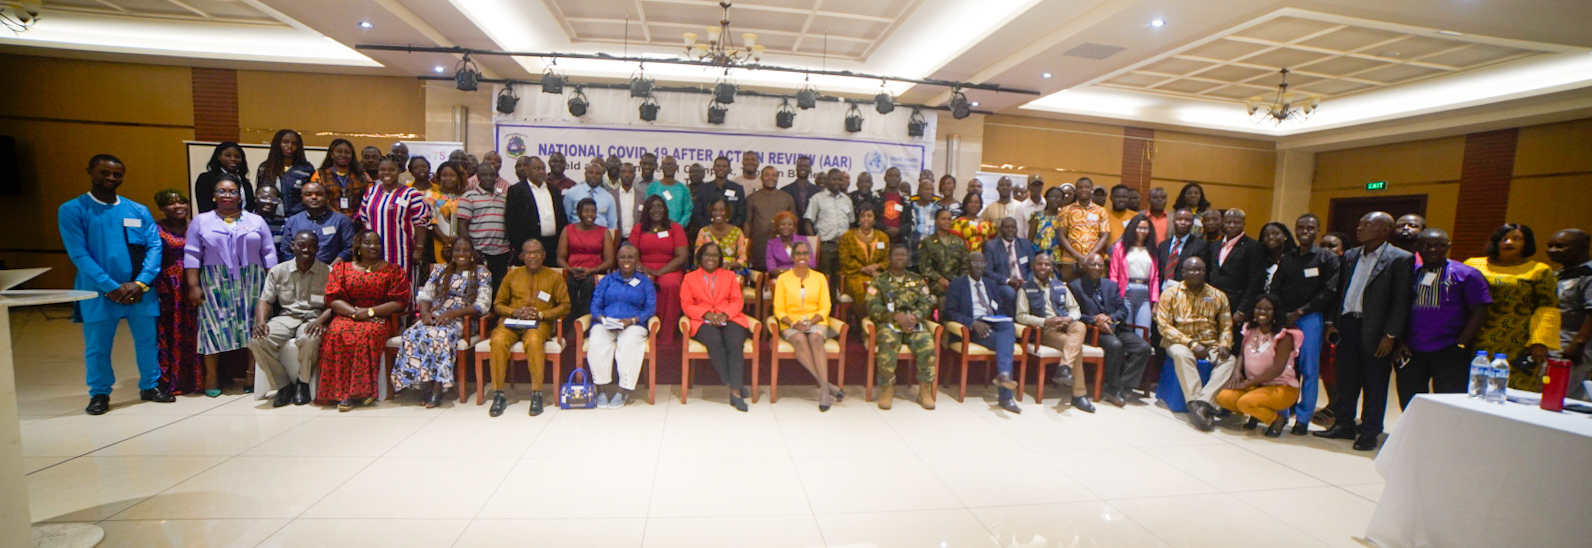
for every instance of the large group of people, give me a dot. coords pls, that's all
(334, 262)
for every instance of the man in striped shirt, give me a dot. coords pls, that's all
(481, 220)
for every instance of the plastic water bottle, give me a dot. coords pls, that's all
(1480, 367)
(1498, 379)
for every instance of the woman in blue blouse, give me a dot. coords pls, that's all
(620, 308)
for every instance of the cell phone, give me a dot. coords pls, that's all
(1579, 408)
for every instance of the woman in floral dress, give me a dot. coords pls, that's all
(178, 326)
(459, 289)
(1046, 224)
(364, 294)
(731, 241)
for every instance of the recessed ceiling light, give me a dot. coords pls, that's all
(438, 68)
(1157, 23)
(366, 25)
(1045, 75)
(974, 103)
(1450, 33)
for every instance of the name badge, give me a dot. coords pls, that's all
(635, 282)
(896, 207)
(662, 235)
(328, 230)
(1093, 217)
(1428, 278)
(731, 197)
(878, 245)
(890, 307)
(342, 203)
(318, 299)
(667, 195)
(133, 223)
(544, 296)
(1312, 272)
(1022, 260)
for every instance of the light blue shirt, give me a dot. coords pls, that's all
(99, 239)
(607, 210)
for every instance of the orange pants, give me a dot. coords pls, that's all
(1261, 402)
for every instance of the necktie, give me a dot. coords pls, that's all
(1173, 259)
(983, 298)
(1011, 254)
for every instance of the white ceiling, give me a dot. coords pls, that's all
(1373, 61)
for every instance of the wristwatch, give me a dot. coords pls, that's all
(141, 285)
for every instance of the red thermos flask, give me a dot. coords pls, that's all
(1555, 383)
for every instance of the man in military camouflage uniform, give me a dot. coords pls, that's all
(899, 302)
(942, 256)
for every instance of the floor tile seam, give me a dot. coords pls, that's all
(1240, 501)
(1289, 466)
(174, 485)
(117, 442)
(495, 489)
(1168, 462)
(1145, 527)
(1345, 488)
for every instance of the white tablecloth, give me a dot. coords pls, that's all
(1461, 472)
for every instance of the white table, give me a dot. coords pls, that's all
(15, 522)
(1461, 472)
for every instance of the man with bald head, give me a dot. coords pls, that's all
(1449, 306)
(1232, 261)
(1568, 247)
(1196, 325)
(1376, 287)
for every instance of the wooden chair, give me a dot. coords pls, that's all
(971, 352)
(690, 349)
(752, 294)
(554, 349)
(389, 354)
(902, 353)
(649, 362)
(844, 302)
(1043, 356)
(782, 350)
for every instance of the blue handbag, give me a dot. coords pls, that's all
(581, 394)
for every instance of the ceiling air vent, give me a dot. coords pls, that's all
(1091, 50)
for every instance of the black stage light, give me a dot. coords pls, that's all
(807, 97)
(716, 112)
(649, 109)
(959, 106)
(507, 100)
(854, 119)
(724, 92)
(785, 117)
(641, 85)
(578, 102)
(917, 123)
(467, 76)
(884, 102)
(552, 82)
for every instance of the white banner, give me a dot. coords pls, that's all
(580, 143)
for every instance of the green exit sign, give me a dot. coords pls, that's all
(1376, 185)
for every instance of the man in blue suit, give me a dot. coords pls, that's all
(986, 308)
(1009, 256)
(116, 249)
(1126, 352)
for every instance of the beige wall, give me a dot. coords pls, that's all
(1234, 172)
(367, 110)
(1552, 187)
(1429, 167)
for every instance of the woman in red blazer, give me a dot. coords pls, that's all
(711, 299)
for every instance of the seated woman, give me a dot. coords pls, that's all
(458, 289)
(711, 298)
(620, 308)
(363, 294)
(585, 250)
(731, 241)
(864, 253)
(801, 305)
(777, 255)
(664, 249)
(1265, 384)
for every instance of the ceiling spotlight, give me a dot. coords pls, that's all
(649, 109)
(552, 82)
(507, 100)
(438, 69)
(641, 85)
(366, 25)
(724, 92)
(467, 76)
(853, 119)
(807, 97)
(785, 117)
(578, 103)
(959, 105)
(884, 102)
(716, 112)
(1045, 75)
(1157, 23)
(916, 123)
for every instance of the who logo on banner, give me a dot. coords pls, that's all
(875, 162)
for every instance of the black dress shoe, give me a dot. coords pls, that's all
(1004, 380)
(536, 403)
(499, 403)
(1274, 430)
(1252, 423)
(1365, 442)
(1081, 403)
(1199, 415)
(98, 405)
(738, 403)
(1300, 429)
(1063, 376)
(156, 395)
(1337, 432)
(283, 397)
(1115, 399)
(301, 394)
(1011, 406)
(1133, 398)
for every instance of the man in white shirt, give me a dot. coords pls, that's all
(629, 198)
(751, 176)
(831, 215)
(1023, 209)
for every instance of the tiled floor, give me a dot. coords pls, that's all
(231, 471)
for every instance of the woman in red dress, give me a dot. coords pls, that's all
(180, 368)
(364, 296)
(585, 250)
(664, 250)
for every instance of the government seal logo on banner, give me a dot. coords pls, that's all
(516, 146)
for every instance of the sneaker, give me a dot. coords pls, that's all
(602, 401)
(618, 401)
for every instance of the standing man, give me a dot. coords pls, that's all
(895, 208)
(1046, 304)
(400, 155)
(1407, 232)
(1233, 261)
(334, 232)
(531, 301)
(481, 221)
(1308, 288)
(831, 215)
(720, 187)
(299, 288)
(1022, 209)
(1157, 213)
(1084, 228)
(900, 304)
(607, 208)
(533, 209)
(1569, 248)
(1127, 355)
(1001, 207)
(986, 307)
(1196, 325)
(369, 160)
(556, 164)
(611, 173)
(761, 207)
(923, 207)
(864, 199)
(647, 167)
(1181, 245)
(1374, 312)
(629, 200)
(1450, 306)
(675, 195)
(116, 249)
(802, 189)
(694, 176)
(1009, 255)
(750, 175)
(1121, 211)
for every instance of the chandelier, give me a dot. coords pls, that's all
(717, 50)
(1287, 106)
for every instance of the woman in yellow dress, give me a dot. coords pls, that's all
(864, 253)
(973, 229)
(1524, 315)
